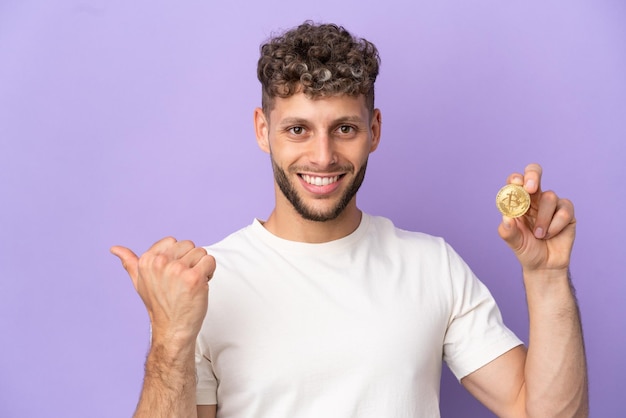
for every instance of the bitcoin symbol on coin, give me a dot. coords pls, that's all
(513, 201)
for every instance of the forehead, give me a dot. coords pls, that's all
(325, 108)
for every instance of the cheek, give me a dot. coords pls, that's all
(289, 150)
(285, 156)
(360, 155)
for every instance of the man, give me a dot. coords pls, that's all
(322, 310)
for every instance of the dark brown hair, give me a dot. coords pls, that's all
(318, 60)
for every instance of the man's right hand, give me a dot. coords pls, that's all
(172, 279)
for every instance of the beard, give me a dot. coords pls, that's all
(307, 212)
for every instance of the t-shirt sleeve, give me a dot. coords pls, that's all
(476, 334)
(206, 389)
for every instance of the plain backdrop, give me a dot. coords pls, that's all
(123, 121)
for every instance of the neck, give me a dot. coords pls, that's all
(286, 223)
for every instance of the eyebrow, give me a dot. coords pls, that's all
(302, 121)
(293, 121)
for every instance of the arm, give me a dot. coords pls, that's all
(550, 378)
(207, 411)
(172, 280)
(169, 383)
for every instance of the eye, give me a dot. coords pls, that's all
(296, 130)
(346, 129)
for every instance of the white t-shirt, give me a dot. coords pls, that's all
(356, 327)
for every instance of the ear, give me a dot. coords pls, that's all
(375, 127)
(261, 128)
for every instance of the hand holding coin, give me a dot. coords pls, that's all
(537, 225)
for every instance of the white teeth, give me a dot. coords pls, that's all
(319, 181)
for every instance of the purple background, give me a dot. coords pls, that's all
(125, 121)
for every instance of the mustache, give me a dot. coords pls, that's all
(345, 168)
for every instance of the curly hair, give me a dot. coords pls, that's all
(318, 60)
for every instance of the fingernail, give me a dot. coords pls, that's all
(507, 223)
(539, 233)
(530, 184)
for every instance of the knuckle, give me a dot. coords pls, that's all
(562, 216)
(166, 242)
(201, 253)
(177, 268)
(160, 261)
(567, 203)
(186, 244)
(549, 196)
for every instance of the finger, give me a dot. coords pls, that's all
(563, 216)
(180, 249)
(510, 233)
(162, 245)
(515, 178)
(532, 178)
(129, 260)
(545, 214)
(205, 266)
(193, 257)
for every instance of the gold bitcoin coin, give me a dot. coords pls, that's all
(513, 201)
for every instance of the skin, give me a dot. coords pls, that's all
(322, 138)
(550, 378)
(332, 138)
(172, 279)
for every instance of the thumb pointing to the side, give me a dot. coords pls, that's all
(129, 260)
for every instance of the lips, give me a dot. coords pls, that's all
(320, 185)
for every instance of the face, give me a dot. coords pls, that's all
(319, 150)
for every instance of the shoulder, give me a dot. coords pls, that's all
(422, 248)
(384, 229)
(232, 241)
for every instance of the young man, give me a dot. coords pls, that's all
(324, 311)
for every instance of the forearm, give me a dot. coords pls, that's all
(169, 384)
(555, 370)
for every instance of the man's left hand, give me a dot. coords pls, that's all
(543, 238)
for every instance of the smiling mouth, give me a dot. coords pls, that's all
(320, 181)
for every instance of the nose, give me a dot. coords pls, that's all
(323, 151)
